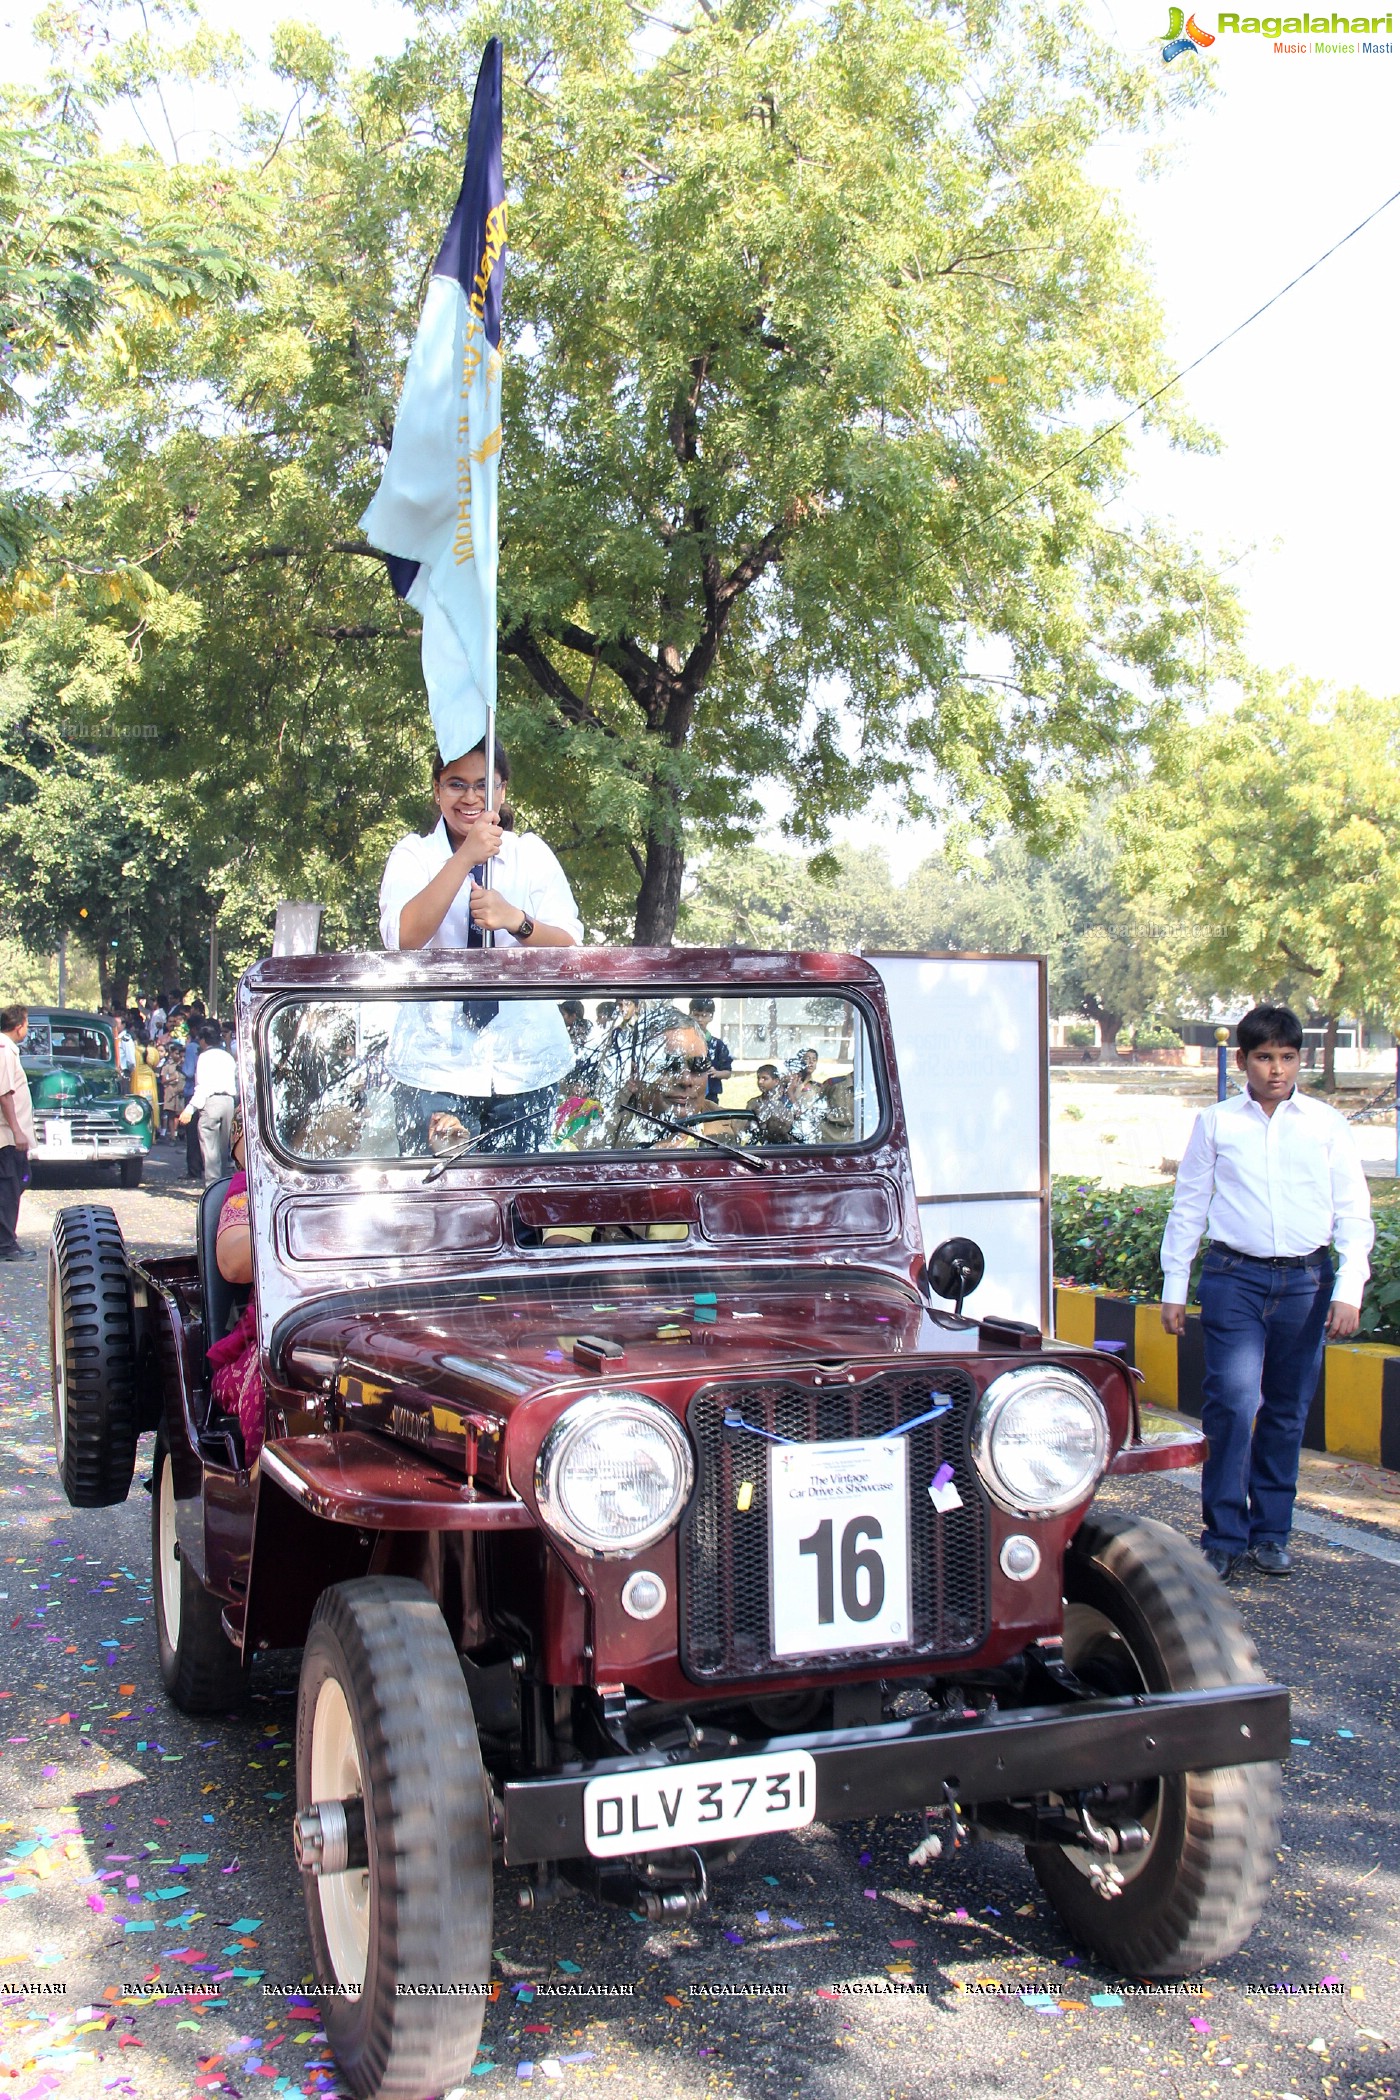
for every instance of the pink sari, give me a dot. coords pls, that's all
(238, 1386)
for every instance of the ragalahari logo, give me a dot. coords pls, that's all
(1183, 35)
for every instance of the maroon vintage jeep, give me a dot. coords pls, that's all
(627, 1492)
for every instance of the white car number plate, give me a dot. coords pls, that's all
(839, 1545)
(58, 1130)
(727, 1797)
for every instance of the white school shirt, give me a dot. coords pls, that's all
(214, 1073)
(1279, 1184)
(14, 1080)
(433, 1043)
(524, 872)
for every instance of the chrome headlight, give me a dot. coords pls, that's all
(1040, 1439)
(134, 1112)
(614, 1473)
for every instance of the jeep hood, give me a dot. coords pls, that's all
(496, 1346)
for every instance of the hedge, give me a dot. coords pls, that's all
(1110, 1240)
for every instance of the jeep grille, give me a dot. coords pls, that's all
(725, 1618)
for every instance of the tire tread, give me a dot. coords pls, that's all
(1231, 1813)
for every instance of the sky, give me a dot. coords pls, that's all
(1292, 152)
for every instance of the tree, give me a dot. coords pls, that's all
(805, 312)
(88, 240)
(1110, 957)
(1275, 834)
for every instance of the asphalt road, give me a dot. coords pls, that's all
(147, 1849)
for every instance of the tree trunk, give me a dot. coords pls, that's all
(1329, 1054)
(659, 899)
(1109, 1023)
(121, 978)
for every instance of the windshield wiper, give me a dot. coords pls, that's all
(745, 1159)
(470, 1144)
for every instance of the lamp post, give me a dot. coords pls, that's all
(1222, 1081)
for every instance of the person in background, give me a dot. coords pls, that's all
(702, 1012)
(170, 1066)
(212, 1103)
(1276, 1179)
(126, 1045)
(16, 1130)
(766, 1079)
(194, 1017)
(155, 1027)
(576, 1021)
(237, 1387)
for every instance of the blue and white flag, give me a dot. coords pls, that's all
(434, 513)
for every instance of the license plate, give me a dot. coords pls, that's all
(838, 1545)
(58, 1130)
(725, 1798)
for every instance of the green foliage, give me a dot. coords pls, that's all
(1380, 1310)
(1155, 1035)
(799, 307)
(1110, 1239)
(1275, 836)
(1104, 957)
(1079, 1035)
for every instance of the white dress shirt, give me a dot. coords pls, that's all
(215, 1073)
(1279, 1184)
(436, 1044)
(524, 872)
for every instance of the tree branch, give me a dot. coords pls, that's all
(1308, 969)
(256, 554)
(523, 646)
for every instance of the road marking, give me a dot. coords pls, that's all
(1328, 1529)
(1346, 1535)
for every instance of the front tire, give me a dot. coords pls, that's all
(383, 1718)
(200, 1668)
(130, 1170)
(1143, 1612)
(93, 1357)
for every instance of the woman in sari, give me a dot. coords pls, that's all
(233, 1358)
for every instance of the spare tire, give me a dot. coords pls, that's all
(93, 1357)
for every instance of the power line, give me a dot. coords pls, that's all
(987, 517)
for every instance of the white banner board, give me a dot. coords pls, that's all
(971, 1050)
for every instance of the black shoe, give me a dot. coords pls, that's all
(1271, 1558)
(1225, 1565)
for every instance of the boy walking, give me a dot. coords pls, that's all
(1277, 1180)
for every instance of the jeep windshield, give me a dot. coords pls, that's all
(364, 1078)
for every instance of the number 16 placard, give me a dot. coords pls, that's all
(839, 1545)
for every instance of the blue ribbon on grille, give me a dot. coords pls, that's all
(734, 1420)
(944, 1403)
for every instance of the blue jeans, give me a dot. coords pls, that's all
(1262, 1328)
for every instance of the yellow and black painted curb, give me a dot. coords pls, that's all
(1355, 1411)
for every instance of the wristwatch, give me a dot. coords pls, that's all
(525, 928)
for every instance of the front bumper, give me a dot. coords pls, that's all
(86, 1149)
(904, 1765)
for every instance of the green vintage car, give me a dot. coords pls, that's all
(83, 1108)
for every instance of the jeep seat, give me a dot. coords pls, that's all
(223, 1301)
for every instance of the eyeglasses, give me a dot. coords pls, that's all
(674, 1066)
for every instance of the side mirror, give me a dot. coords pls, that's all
(954, 1269)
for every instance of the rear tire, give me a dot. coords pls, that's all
(383, 1716)
(93, 1358)
(1145, 1613)
(131, 1171)
(200, 1668)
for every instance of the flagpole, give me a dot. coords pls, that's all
(490, 792)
